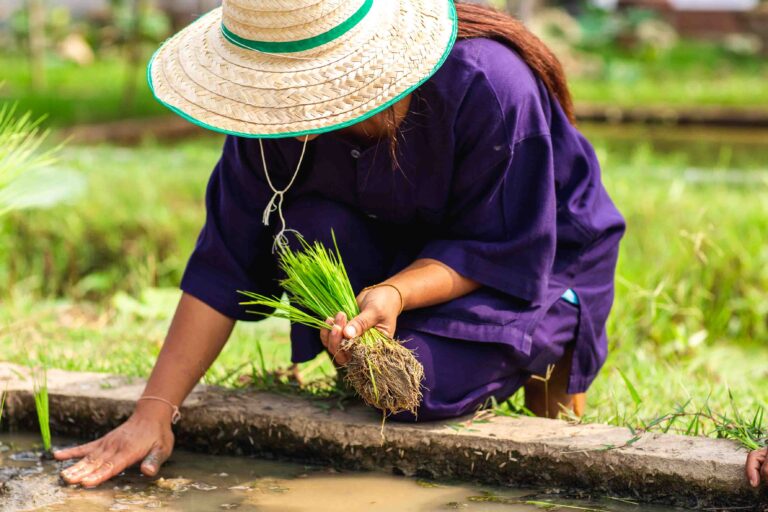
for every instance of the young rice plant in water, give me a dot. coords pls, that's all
(40, 378)
(381, 370)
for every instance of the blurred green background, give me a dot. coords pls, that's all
(90, 283)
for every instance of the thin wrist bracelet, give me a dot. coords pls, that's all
(175, 417)
(402, 302)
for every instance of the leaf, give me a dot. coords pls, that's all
(41, 188)
(631, 388)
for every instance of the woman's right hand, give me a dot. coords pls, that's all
(145, 437)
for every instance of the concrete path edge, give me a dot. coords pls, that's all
(658, 468)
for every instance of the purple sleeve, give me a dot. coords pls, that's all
(501, 226)
(233, 251)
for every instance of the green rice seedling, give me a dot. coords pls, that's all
(3, 396)
(382, 371)
(40, 378)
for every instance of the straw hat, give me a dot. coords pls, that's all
(277, 68)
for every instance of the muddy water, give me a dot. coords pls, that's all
(194, 482)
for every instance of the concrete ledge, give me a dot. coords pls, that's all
(687, 471)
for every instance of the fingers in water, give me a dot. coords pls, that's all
(74, 452)
(152, 462)
(80, 471)
(101, 474)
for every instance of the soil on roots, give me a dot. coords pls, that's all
(386, 375)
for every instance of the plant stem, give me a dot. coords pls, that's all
(40, 378)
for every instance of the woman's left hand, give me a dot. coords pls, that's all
(757, 465)
(379, 308)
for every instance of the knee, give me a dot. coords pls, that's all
(427, 411)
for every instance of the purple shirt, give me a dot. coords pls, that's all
(492, 180)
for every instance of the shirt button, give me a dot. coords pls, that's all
(355, 153)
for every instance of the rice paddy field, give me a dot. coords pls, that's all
(691, 75)
(91, 285)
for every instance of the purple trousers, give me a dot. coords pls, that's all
(460, 376)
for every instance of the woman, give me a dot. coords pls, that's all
(467, 207)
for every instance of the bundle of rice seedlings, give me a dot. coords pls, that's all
(40, 379)
(381, 370)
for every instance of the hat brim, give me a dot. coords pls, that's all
(203, 77)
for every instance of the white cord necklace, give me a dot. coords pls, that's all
(276, 202)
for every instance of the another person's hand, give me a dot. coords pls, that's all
(379, 308)
(757, 466)
(145, 437)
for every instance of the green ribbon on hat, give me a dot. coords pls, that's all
(302, 44)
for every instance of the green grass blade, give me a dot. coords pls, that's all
(3, 396)
(42, 405)
(631, 388)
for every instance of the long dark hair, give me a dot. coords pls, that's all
(481, 21)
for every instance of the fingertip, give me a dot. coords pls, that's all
(350, 331)
(149, 469)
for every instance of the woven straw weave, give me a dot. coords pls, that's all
(276, 26)
(203, 76)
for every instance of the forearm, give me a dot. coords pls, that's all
(427, 282)
(195, 338)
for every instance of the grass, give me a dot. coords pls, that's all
(133, 229)
(40, 378)
(78, 94)
(739, 91)
(691, 74)
(688, 331)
